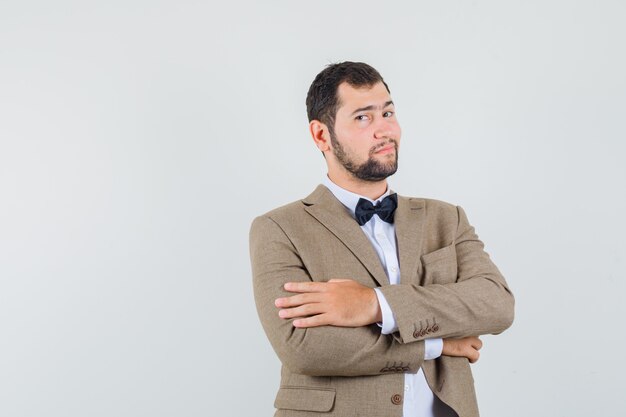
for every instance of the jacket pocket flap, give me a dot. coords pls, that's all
(305, 398)
(445, 252)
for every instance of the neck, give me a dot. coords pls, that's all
(369, 189)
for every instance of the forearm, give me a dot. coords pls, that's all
(341, 351)
(463, 309)
(464, 293)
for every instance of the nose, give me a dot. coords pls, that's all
(384, 128)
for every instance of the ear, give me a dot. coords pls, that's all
(320, 135)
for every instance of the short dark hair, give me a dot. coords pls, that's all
(322, 101)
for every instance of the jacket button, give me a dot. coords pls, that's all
(416, 334)
(396, 399)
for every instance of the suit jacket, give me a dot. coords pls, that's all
(449, 288)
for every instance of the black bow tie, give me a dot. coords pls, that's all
(385, 209)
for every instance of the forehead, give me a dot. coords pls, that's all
(351, 98)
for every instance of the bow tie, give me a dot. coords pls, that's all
(385, 209)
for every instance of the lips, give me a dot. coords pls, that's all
(386, 149)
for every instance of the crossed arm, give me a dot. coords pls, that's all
(302, 329)
(321, 350)
(346, 303)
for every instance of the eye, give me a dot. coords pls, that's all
(361, 117)
(388, 114)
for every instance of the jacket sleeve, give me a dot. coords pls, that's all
(324, 350)
(464, 294)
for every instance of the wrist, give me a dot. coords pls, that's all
(376, 312)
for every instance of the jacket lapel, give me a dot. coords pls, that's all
(409, 221)
(323, 205)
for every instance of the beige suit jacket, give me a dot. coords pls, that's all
(449, 288)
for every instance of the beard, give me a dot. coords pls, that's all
(371, 170)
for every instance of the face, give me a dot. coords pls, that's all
(366, 135)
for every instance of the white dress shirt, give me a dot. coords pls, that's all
(419, 400)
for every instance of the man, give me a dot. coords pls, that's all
(373, 302)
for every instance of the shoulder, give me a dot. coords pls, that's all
(285, 212)
(439, 205)
(280, 219)
(270, 229)
(437, 212)
(295, 212)
(430, 204)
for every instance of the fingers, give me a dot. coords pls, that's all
(472, 345)
(297, 300)
(313, 286)
(338, 302)
(301, 306)
(473, 356)
(467, 347)
(313, 321)
(306, 286)
(301, 311)
(476, 343)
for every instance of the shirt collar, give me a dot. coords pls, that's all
(348, 198)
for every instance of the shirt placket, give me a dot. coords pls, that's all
(389, 252)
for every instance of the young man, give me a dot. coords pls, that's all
(372, 301)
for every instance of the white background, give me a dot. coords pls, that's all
(138, 139)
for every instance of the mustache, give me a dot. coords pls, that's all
(383, 145)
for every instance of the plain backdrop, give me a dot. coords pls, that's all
(138, 140)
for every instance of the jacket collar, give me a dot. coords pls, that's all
(409, 224)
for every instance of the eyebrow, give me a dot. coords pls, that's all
(371, 107)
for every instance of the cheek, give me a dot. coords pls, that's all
(396, 134)
(349, 141)
(397, 131)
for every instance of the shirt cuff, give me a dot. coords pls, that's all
(388, 325)
(432, 348)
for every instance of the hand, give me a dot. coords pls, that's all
(467, 347)
(338, 302)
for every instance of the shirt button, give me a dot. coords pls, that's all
(407, 388)
(394, 269)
